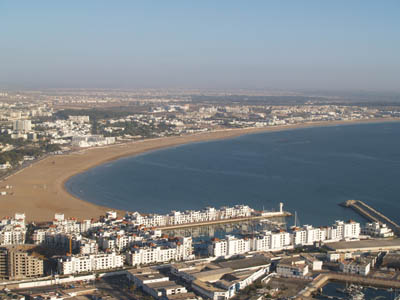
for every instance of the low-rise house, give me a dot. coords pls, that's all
(358, 267)
(295, 266)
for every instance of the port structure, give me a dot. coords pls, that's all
(269, 215)
(371, 214)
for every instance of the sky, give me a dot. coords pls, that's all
(282, 44)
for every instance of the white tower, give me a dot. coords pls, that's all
(281, 207)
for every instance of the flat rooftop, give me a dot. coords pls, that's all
(154, 276)
(183, 296)
(245, 263)
(163, 284)
(365, 245)
(212, 275)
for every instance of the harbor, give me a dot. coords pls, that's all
(324, 278)
(272, 215)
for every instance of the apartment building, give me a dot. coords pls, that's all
(17, 263)
(88, 263)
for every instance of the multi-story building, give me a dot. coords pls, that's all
(22, 125)
(308, 235)
(229, 246)
(176, 250)
(13, 230)
(295, 266)
(3, 263)
(355, 267)
(17, 263)
(377, 229)
(267, 241)
(88, 246)
(12, 236)
(345, 230)
(88, 263)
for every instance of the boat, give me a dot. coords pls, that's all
(356, 295)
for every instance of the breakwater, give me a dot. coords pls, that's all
(371, 214)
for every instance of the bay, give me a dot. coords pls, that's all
(310, 170)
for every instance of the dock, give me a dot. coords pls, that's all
(322, 279)
(372, 214)
(225, 221)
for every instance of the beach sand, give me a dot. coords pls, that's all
(38, 190)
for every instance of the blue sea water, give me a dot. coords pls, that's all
(310, 170)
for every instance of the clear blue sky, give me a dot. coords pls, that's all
(206, 44)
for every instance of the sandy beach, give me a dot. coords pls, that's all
(39, 192)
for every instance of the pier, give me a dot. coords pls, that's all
(372, 214)
(225, 221)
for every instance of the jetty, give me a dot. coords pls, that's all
(371, 214)
(225, 221)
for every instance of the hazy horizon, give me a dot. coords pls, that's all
(277, 45)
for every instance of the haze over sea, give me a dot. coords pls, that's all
(311, 170)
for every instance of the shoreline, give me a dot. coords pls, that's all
(39, 189)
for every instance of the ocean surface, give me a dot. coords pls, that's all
(310, 170)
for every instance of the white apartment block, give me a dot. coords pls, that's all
(174, 251)
(13, 230)
(12, 236)
(377, 229)
(118, 242)
(22, 125)
(39, 236)
(191, 216)
(268, 241)
(277, 241)
(91, 140)
(87, 246)
(345, 230)
(308, 235)
(229, 246)
(88, 263)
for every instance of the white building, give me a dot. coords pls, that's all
(88, 247)
(292, 267)
(179, 250)
(229, 246)
(12, 236)
(79, 119)
(345, 230)
(88, 263)
(13, 230)
(354, 267)
(308, 235)
(91, 140)
(22, 125)
(377, 229)
(267, 241)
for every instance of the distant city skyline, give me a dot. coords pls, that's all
(320, 45)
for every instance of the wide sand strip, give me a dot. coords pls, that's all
(39, 191)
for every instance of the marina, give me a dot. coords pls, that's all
(261, 218)
(323, 279)
(340, 291)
